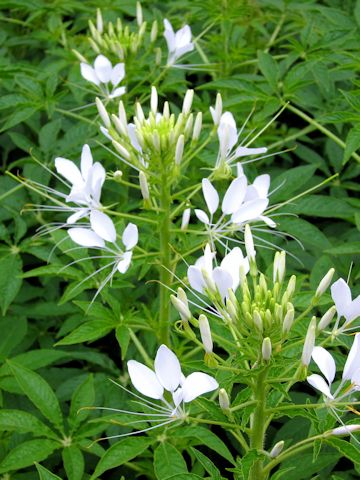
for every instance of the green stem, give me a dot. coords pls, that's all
(258, 423)
(141, 349)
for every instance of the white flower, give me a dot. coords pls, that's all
(168, 377)
(228, 139)
(326, 364)
(345, 306)
(178, 43)
(226, 276)
(103, 73)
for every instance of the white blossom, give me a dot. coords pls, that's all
(104, 75)
(178, 43)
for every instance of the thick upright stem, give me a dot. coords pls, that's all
(258, 424)
(165, 261)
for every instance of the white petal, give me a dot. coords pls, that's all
(88, 73)
(269, 221)
(207, 259)
(197, 384)
(353, 359)
(202, 216)
(239, 169)
(320, 384)
(96, 179)
(223, 280)
(81, 213)
(86, 161)
(234, 195)
(251, 194)
(341, 294)
(232, 262)
(179, 52)
(117, 74)
(211, 196)
(244, 151)
(144, 380)
(353, 310)
(169, 35)
(250, 210)
(262, 184)
(103, 225)
(103, 68)
(68, 170)
(196, 279)
(183, 37)
(130, 236)
(124, 263)
(117, 92)
(105, 132)
(133, 138)
(177, 396)
(325, 362)
(227, 133)
(85, 237)
(167, 368)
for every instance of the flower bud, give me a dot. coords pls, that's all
(290, 289)
(182, 296)
(224, 400)
(158, 55)
(181, 307)
(289, 318)
(185, 219)
(103, 113)
(266, 349)
(345, 430)
(154, 31)
(278, 312)
(210, 284)
(118, 125)
(118, 174)
(279, 267)
(205, 333)
(263, 285)
(249, 243)
(189, 125)
(217, 111)
(179, 150)
(257, 320)
(79, 56)
(144, 187)
(94, 46)
(99, 21)
(156, 141)
(139, 112)
(122, 150)
(277, 449)
(188, 99)
(309, 342)
(327, 318)
(139, 14)
(324, 283)
(197, 127)
(268, 318)
(166, 111)
(154, 100)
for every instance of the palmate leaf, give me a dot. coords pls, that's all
(13, 331)
(168, 461)
(27, 453)
(83, 396)
(74, 462)
(207, 464)
(44, 474)
(23, 422)
(11, 282)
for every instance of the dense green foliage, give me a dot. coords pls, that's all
(57, 352)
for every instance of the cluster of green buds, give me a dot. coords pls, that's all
(117, 39)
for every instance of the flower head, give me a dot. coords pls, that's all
(103, 74)
(178, 43)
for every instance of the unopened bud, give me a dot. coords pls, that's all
(99, 21)
(189, 125)
(181, 307)
(217, 111)
(166, 111)
(154, 100)
(122, 150)
(94, 46)
(205, 333)
(224, 400)
(139, 14)
(209, 282)
(290, 289)
(277, 449)
(158, 55)
(154, 31)
(309, 342)
(197, 127)
(182, 296)
(179, 150)
(79, 56)
(345, 430)
(185, 219)
(289, 318)
(327, 318)
(263, 285)
(156, 141)
(279, 266)
(249, 243)
(257, 320)
(266, 349)
(144, 187)
(188, 99)
(103, 113)
(118, 174)
(122, 113)
(268, 318)
(139, 112)
(325, 282)
(119, 125)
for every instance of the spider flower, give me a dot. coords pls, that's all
(103, 74)
(345, 306)
(178, 43)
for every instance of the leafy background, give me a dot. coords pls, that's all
(258, 54)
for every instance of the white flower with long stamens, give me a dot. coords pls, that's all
(229, 138)
(326, 364)
(178, 43)
(226, 276)
(103, 74)
(345, 306)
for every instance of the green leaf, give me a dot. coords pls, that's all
(74, 463)
(39, 392)
(322, 206)
(44, 474)
(18, 117)
(291, 181)
(269, 69)
(247, 462)
(11, 282)
(184, 476)
(207, 464)
(88, 331)
(23, 422)
(13, 330)
(345, 448)
(83, 396)
(350, 248)
(352, 143)
(25, 454)
(120, 453)
(308, 234)
(123, 337)
(168, 461)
